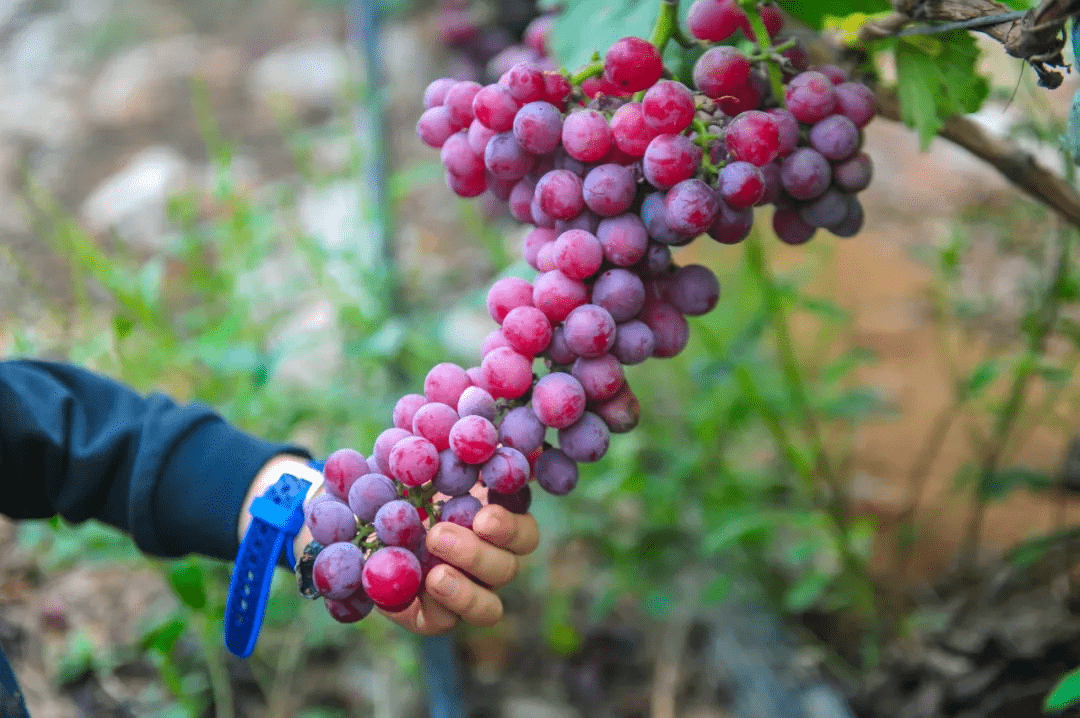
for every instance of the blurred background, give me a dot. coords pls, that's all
(191, 200)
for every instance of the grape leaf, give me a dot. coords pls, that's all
(1065, 693)
(937, 78)
(590, 26)
(814, 13)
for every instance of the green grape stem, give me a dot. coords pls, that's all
(765, 43)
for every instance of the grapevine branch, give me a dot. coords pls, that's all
(1015, 164)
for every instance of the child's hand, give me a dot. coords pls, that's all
(489, 553)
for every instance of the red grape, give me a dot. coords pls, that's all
(810, 96)
(433, 422)
(527, 330)
(445, 382)
(633, 64)
(368, 495)
(342, 468)
(506, 471)
(586, 135)
(556, 295)
(337, 570)
(558, 194)
(506, 373)
(473, 439)
(629, 131)
(754, 137)
(609, 189)
(391, 577)
(590, 330)
(670, 159)
(577, 254)
(508, 293)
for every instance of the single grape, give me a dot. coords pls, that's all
(621, 412)
(836, 138)
(506, 373)
(590, 330)
(690, 207)
(384, 442)
(466, 185)
(414, 460)
(578, 254)
(397, 523)
(601, 377)
(506, 471)
(532, 243)
(538, 127)
(774, 186)
(670, 159)
(609, 189)
(459, 101)
(852, 222)
(720, 71)
(455, 477)
(405, 409)
(810, 96)
(828, 210)
(478, 136)
(352, 608)
(331, 521)
(461, 510)
(436, 91)
(342, 468)
(495, 107)
(620, 292)
(586, 135)
(556, 472)
(633, 64)
(527, 330)
(754, 137)
(731, 225)
(836, 74)
(506, 159)
(458, 158)
(516, 503)
(587, 220)
(433, 421)
(668, 107)
(508, 293)
(563, 161)
(629, 131)
(368, 495)
(545, 258)
(856, 102)
(634, 342)
(623, 239)
(473, 439)
(558, 352)
(445, 382)
(694, 290)
(493, 340)
(337, 570)
(853, 175)
(654, 217)
(742, 184)
(714, 20)
(746, 97)
(435, 126)
(475, 400)
(525, 80)
(790, 227)
(558, 194)
(391, 577)
(556, 89)
(520, 201)
(669, 327)
(556, 295)
(657, 260)
(558, 400)
(586, 440)
(805, 174)
(537, 33)
(521, 429)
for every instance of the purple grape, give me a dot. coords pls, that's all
(669, 328)
(338, 569)
(852, 222)
(810, 96)
(516, 503)
(478, 401)
(854, 174)
(506, 158)
(609, 189)
(623, 238)
(805, 173)
(538, 127)
(621, 292)
(621, 412)
(587, 220)
(558, 195)
(855, 102)
(455, 477)
(657, 260)
(556, 472)
(790, 226)
(522, 430)
(398, 523)
(694, 290)
(558, 351)
(731, 225)
(461, 510)
(836, 138)
(634, 342)
(691, 206)
(590, 330)
(742, 184)
(586, 440)
(352, 608)
(331, 522)
(369, 494)
(600, 377)
(506, 471)
(828, 210)
(654, 217)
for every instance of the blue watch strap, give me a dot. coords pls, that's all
(277, 517)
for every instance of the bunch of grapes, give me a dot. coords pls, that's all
(483, 48)
(614, 166)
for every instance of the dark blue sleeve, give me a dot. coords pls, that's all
(83, 446)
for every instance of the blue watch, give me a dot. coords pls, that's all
(277, 517)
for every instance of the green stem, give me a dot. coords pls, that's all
(220, 685)
(667, 24)
(594, 69)
(762, 36)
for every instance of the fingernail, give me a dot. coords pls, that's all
(446, 542)
(445, 584)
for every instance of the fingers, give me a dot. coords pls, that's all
(461, 547)
(517, 533)
(456, 593)
(425, 616)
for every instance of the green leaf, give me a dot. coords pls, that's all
(1065, 694)
(592, 26)
(76, 658)
(1001, 483)
(937, 79)
(122, 326)
(162, 638)
(806, 591)
(981, 377)
(734, 531)
(815, 13)
(717, 589)
(186, 578)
